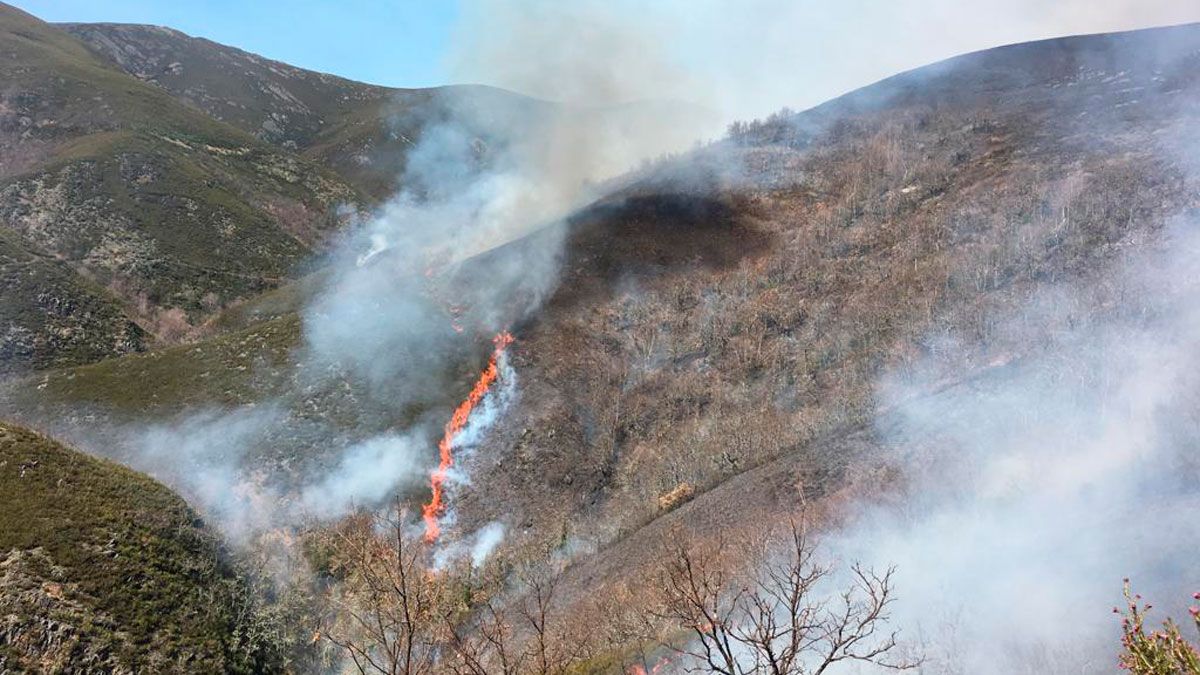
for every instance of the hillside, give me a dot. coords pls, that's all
(706, 326)
(54, 317)
(935, 218)
(105, 570)
(361, 131)
(711, 356)
(833, 243)
(180, 177)
(161, 214)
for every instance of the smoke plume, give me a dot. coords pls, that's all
(1041, 484)
(748, 59)
(404, 306)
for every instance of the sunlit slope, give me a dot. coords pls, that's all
(362, 131)
(168, 214)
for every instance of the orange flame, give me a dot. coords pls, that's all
(434, 509)
(639, 669)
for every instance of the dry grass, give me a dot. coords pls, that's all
(741, 323)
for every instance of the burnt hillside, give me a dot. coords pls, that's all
(734, 325)
(713, 350)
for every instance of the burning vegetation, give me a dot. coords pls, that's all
(433, 510)
(715, 337)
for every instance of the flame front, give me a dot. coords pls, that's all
(436, 506)
(639, 669)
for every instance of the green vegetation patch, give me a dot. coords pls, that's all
(100, 564)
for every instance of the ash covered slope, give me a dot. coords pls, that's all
(737, 309)
(164, 214)
(103, 569)
(362, 131)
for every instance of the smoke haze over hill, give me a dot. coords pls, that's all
(747, 59)
(1036, 487)
(952, 317)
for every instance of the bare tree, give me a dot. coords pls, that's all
(776, 621)
(484, 646)
(387, 608)
(527, 637)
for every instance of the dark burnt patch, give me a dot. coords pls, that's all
(648, 238)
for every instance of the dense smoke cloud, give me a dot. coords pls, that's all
(205, 456)
(202, 456)
(366, 475)
(1038, 486)
(748, 59)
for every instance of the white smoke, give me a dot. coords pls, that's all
(747, 59)
(366, 475)
(467, 441)
(1037, 488)
(498, 399)
(477, 546)
(201, 455)
(489, 168)
(403, 306)
(486, 541)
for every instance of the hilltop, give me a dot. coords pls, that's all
(363, 132)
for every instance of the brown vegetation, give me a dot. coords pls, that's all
(758, 604)
(395, 610)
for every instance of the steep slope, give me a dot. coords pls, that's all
(277, 102)
(105, 570)
(172, 213)
(362, 131)
(53, 316)
(721, 322)
(738, 308)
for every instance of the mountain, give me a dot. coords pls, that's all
(849, 234)
(769, 304)
(104, 570)
(142, 210)
(790, 265)
(361, 131)
(709, 359)
(939, 216)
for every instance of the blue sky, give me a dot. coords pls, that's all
(743, 58)
(391, 42)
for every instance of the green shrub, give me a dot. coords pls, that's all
(1160, 652)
